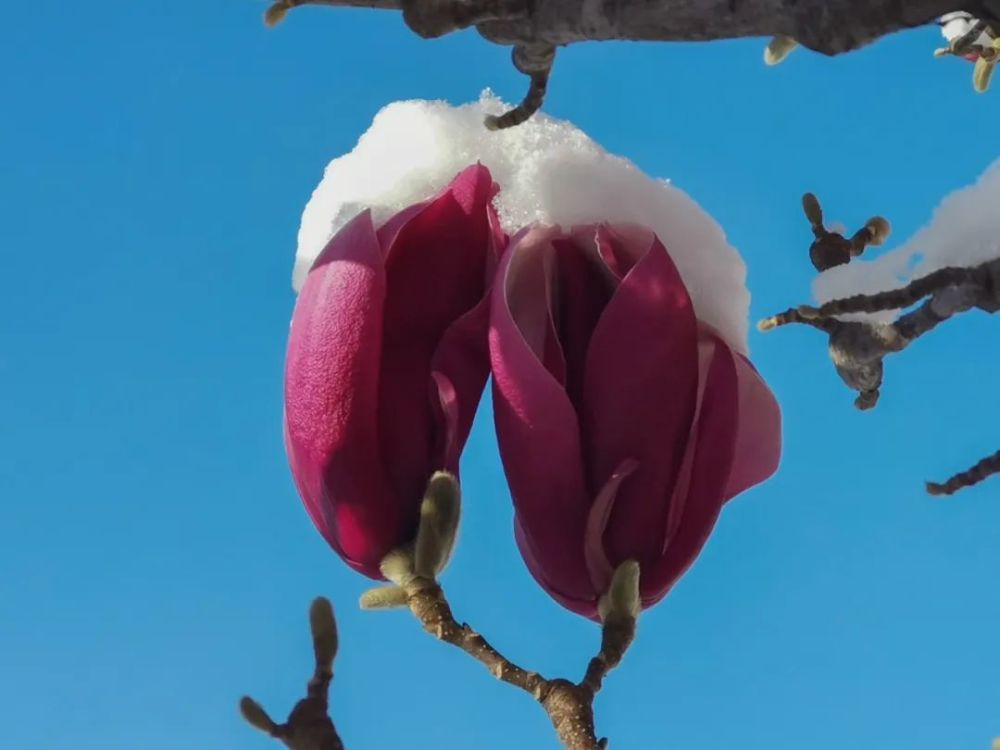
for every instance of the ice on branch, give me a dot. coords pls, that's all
(964, 231)
(548, 170)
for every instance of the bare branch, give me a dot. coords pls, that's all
(308, 726)
(827, 26)
(832, 248)
(982, 470)
(858, 349)
(536, 62)
(977, 281)
(569, 705)
(616, 637)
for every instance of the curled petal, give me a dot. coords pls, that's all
(436, 265)
(758, 437)
(713, 448)
(536, 424)
(639, 397)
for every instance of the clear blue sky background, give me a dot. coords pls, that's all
(155, 562)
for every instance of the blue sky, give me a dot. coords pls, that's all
(155, 561)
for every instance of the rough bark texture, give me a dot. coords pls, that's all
(828, 26)
(859, 348)
(569, 705)
(537, 28)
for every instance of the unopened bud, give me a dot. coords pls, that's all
(384, 597)
(439, 516)
(622, 597)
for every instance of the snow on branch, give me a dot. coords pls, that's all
(947, 268)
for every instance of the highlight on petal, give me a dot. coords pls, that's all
(331, 397)
(387, 361)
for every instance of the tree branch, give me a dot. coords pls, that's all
(308, 726)
(859, 348)
(413, 572)
(569, 705)
(827, 26)
(982, 470)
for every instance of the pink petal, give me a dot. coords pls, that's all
(331, 398)
(436, 271)
(598, 565)
(582, 289)
(536, 424)
(758, 437)
(714, 446)
(639, 398)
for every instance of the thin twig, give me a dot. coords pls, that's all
(428, 604)
(895, 299)
(536, 62)
(616, 636)
(859, 348)
(982, 470)
(568, 705)
(309, 726)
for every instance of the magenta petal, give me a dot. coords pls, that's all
(536, 425)
(436, 270)
(708, 342)
(331, 398)
(586, 606)
(460, 368)
(583, 287)
(758, 437)
(639, 399)
(599, 566)
(714, 445)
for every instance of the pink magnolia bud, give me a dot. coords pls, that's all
(624, 422)
(387, 359)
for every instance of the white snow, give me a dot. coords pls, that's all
(954, 25)
(964, 231)
(548, 171)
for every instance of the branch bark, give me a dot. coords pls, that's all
(985, 468)
(827, 26)
(536, 28)
(859, 348)
(569, 705)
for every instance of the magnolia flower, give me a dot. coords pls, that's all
(387, 359)
(624, 422)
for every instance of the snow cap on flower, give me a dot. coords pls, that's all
(548, 171)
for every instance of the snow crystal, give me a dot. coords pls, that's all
(548, 171)
(964, 231)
